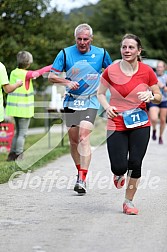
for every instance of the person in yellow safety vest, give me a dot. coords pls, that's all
(4, 83)
(20, 103)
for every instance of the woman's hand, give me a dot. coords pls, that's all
(111, 112)
(145, 96)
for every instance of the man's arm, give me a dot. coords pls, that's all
(55, 79)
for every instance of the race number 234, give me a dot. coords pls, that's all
(78, 103)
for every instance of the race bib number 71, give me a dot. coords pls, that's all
(134, 118)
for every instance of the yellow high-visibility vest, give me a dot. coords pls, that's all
(20, 103)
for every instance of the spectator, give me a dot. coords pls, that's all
(20, 103)
(4, 82)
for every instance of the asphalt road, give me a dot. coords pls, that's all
(40, 212)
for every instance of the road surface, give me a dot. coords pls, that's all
(40, 212)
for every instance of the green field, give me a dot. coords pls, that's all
(37, 153)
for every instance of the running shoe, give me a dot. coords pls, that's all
(160, 140)
(80, 186)
(119, 181)
(11, 156)
(19, 156)
(129, 208)
(154, 135)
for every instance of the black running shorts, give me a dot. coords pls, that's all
(74, 117)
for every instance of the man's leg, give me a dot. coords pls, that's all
(73, 134)
(72, 122)
(84, 147)
(79, 137)
(82, 154)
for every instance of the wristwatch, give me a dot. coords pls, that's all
(152, 96)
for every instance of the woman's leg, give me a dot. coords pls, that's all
(138, 142)
(12, 153)
(23, 124)
(154, 116)
(163, 114)
(153, 113)
(14, 140)
(117, 145)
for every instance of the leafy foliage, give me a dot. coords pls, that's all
(26, 25)
(33, 26)
(148, 20)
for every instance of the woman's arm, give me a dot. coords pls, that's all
(156, 93)
(153, 94)
(101, 95)
(36, 73)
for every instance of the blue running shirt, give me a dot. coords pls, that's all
(84, 68)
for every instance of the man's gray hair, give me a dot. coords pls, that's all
(83, 27)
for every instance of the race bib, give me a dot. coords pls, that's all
(134, 118)
(78, 103)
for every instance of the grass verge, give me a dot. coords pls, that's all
(37, 153)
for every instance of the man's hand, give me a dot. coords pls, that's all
(73, 85)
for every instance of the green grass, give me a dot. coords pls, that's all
(37, 153)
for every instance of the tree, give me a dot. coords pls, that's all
(27, 25)
(30, 25)
(148, 20)
(19, 20)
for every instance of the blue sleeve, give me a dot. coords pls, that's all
(107, 60)
(58, 64)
